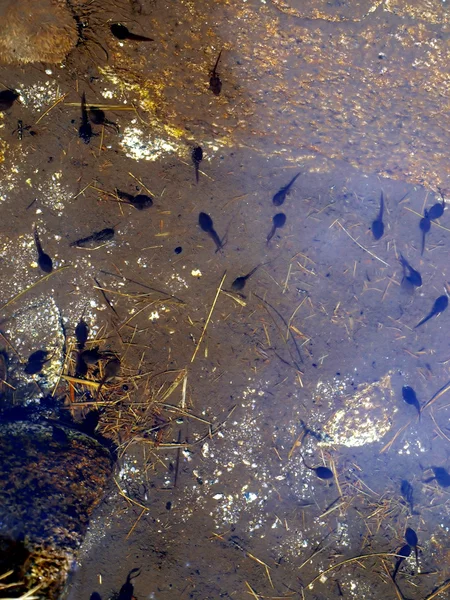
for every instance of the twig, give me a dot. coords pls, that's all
(141, 184)
(87, 382)
(389, 444)
(436, 396)
(350, 560)
(136, 522)
(444, 587)
(362, 247)
(252, 591)
(51, 107)
(17, 296)
(209, 317)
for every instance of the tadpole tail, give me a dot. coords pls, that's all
(196, 171)
(271, 234)
(139, 38)
(213, 233)
(427, 318)
(397, 566)
(423, 243)
(37, 241)
(217, 63)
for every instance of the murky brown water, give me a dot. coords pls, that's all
(211, 498)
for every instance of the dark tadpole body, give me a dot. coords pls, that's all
(140, 202)
(81, 367)
(412, 539)
(36, 362)
(321, 472)
(441, 475)
(207, 225)
(91, 356)
(280, 196)
(7, 99)
(215, 84)
(437, 210)
(407, 490)
(378, 225)
(127, 590)
(440, 304)
(239, 283)
(197, 157)
(105, 235)
(404, 552)
(85, 130)
(279, 221)
(410, 275)
(98, 117)
(81, 334)
(425, 225)
(44, 261)
(409, 396)
(121, 32)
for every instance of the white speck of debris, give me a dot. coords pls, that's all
(196, 273)
(205, 450)
(141, 146)
(48, 71)
(218, 496)
(154, 315)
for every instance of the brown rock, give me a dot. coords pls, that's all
(32, 31)
(52, 478)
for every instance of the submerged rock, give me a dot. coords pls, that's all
(51, 480)
(43, 31)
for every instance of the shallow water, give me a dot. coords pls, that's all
(323, 332)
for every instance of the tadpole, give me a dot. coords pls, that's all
(279, 221)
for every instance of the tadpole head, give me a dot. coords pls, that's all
(119, 31)
(197, 155)
(279, 220)
(205, 221)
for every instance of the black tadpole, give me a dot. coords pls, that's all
(105, 235)
(378, 225)
(425, 225)
(206, 224)
(112, 369)
(215, 84)
(409, 396)
(404, 552)
(410, 275)
(437, 210)
(7, 99)
(98, 117)
(126, 591)
(121, 32)
(321, 472)
(36, 362)
(441, 475)
(44, 261)
(440, 304)
(239, 283)
(140, 202)
(197, 157)
(85, 130)
(280, 196)
(81, 334)
(279, 221)
(412, 539)
(407, 491)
